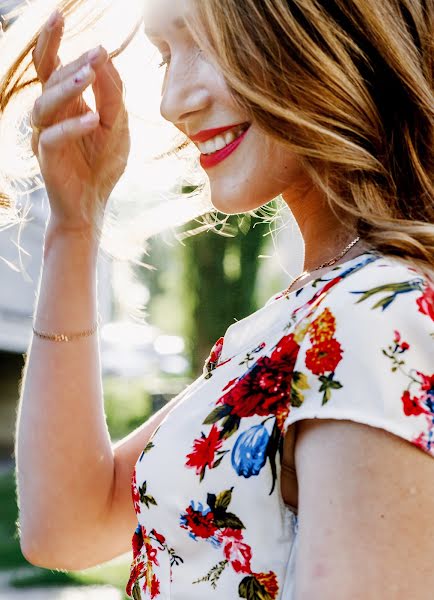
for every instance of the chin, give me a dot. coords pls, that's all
(231, 200)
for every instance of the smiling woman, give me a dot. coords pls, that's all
(299, 465)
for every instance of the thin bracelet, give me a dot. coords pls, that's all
(62, 337)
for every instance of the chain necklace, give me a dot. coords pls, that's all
(329, 263)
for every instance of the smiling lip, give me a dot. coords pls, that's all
(208, 134)
(208, 161)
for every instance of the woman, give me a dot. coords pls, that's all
(330, 104)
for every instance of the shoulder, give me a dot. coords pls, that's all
(384, 283)
(364, 388)
(365, 353)
(381, 297)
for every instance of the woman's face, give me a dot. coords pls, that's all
(246, 168)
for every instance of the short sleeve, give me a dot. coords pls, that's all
(367, 354)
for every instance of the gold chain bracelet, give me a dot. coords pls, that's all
(63, 337)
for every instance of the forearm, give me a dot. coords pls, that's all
(64, 456)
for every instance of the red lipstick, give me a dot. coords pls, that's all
(207, 134)
(208, 161)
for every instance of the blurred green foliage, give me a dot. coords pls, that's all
(218, 286)
(127, 405)
(10, 553)
(201, 286)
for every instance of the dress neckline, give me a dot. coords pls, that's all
(324, 277)
(243, 334)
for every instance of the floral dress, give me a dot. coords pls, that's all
(357, 344)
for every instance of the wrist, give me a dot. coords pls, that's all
(84, 238)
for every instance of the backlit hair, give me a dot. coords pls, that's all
(347, 85)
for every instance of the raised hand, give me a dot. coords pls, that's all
(81, 154)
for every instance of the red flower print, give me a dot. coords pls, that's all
(199, 522)
(151, 553)
(216, 350)
(269, 583)
(204, 450)
(412, 405)
(426, 301)
(427, 384)
(238, 554)
(155, 587)
(212, 361)
(285, 353)
(403, 346)
(136, 572)
(323, 327)
(281, 416)
(266, 387)
(230, 384)
(137, 541)
(324, 357)
(160, 538)
(261, 391)
(135, 493)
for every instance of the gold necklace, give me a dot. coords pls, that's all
(329, 263)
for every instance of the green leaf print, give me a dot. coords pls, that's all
(231, 425)
(251, 589)
(228, 520)
(145, 498)
(214, 574)
(299, 382)
(136, 592)
(327, 385)
(224, 499)
(218, 413)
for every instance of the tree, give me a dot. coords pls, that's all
(218, 282)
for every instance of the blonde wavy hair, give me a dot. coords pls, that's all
(347, 86)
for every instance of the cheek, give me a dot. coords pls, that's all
(260, 173)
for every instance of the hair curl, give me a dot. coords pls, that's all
(348, 87)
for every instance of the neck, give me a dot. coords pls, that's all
(324, 235)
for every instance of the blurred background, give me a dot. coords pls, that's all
(159, 322)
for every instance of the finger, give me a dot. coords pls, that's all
(44, 55)
(109, 91)
(65, 132)
(56, 99)
(95, 58)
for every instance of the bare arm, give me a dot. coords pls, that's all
(64, 458)
(73, 487)
(365, 514)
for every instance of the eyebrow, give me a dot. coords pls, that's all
(178, 23)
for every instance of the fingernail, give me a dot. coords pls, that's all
(82, 74)
(54, 19)
(94, 54)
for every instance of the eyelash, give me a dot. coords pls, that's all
(164, 63)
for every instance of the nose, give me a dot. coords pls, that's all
(184, 95)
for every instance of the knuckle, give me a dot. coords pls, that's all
(53, 79)
(38, 109)
(43, 141)
(63, 127)
(66, 87)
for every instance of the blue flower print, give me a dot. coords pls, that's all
(249, 453)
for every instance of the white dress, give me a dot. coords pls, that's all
(357, 344)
